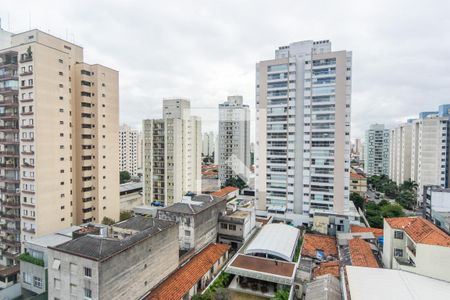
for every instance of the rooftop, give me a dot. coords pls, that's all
(356, 176)
(197, 204)
(264, 265)
(329, 267)
(420, 230)
(325, 287)
(275, 239)
(378, 283)
(225, 191)
(361, 254)
(100, 248)
(130, 186)
(314, 243)
(183, 279)
(54, 239)
(377, 232)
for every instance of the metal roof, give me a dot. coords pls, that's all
(275, 239)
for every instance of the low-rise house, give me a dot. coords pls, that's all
(358, 183)
(316, 249)
(377, 232)
(361, 254)
(197, 217)
(416, 245)
(136, 256)
(363, 283)
(268, 262)
(228, 192)
(325, 287)
(194, 276)
(131, 195)
(331, 223)
(34, 261)
(236, 227)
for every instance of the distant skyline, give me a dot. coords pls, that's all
(205, 51)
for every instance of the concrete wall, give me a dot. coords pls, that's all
(33, 271)
(130, 201)
(127, 275)
(433, 261)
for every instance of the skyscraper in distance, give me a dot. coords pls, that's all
(377, 150)
(303, 99)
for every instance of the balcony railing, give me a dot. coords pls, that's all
(9, 89)
(26, 73)
(27, 152)
(26, 59)
(11, 192)
(9, 103)
(9, 153)
(26, 100)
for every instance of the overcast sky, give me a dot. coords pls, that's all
(206, 50)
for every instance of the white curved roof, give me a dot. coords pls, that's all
(275, 239)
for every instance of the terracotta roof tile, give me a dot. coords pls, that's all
(314, 242)
(183, 279)
(225, 191)
(356, 176)
(377, 232)
(264, 265)
(420, 230)
(329, 267)
(361, 254)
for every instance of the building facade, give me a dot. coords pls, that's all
(172, 154)
(400, 153)
(138, 255)
(58, 136)
(377, 150)
(209, 144)
(303, 99)
(128, 149)
(234, 139)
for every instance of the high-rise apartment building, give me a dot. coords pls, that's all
(58, 134)
(128, 149)
(234, 139)
(303, 99)
(400, 153)
(377, 150)
(430, 148)
(208, 144)
(172, 154)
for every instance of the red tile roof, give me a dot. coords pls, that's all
(183, 279)
(314, 242)
(264, 265)
(329, 267)
(420, 230)
(377, 232)
(356, 176)
(361, 254)
(225, 191)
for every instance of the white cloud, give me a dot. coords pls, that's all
(206, 50)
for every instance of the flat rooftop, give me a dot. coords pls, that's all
(264, 265)
(197, 204)
(377, 283)
(54, 239)
(100, 248)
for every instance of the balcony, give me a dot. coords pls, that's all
(9, 217)
(10, 192)
(28, 113)
(411, 251)
(11, 204)
(9, 115)
(27, 126)
(27, 152)
(26, 73)
(8, 90)
(26, 100)
(26, 58)
(24, 87)
(9, 179)
(29, 218)
(29, 230)
(9, 153)
(8, 76)
(27, 140)
(27, 165)
(9, 102)
(28, 192)
(9, 128)
(7, 166)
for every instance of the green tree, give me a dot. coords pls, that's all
(125, 215)
(124, 176)
(108, 221)
(236, 182)
(281, 294)
(358, 200)
(201, 297)
(392, 211)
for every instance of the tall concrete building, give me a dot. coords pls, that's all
(209, 144)
(400, 153)
(59, 119)
(128, 149)
(430, 148)
(377, 150)
(172, 153)
(234, 139)
(303, 99)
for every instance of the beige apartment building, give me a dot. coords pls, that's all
(58, 139)
(172, 154)
(400, 153)
(129, 149)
